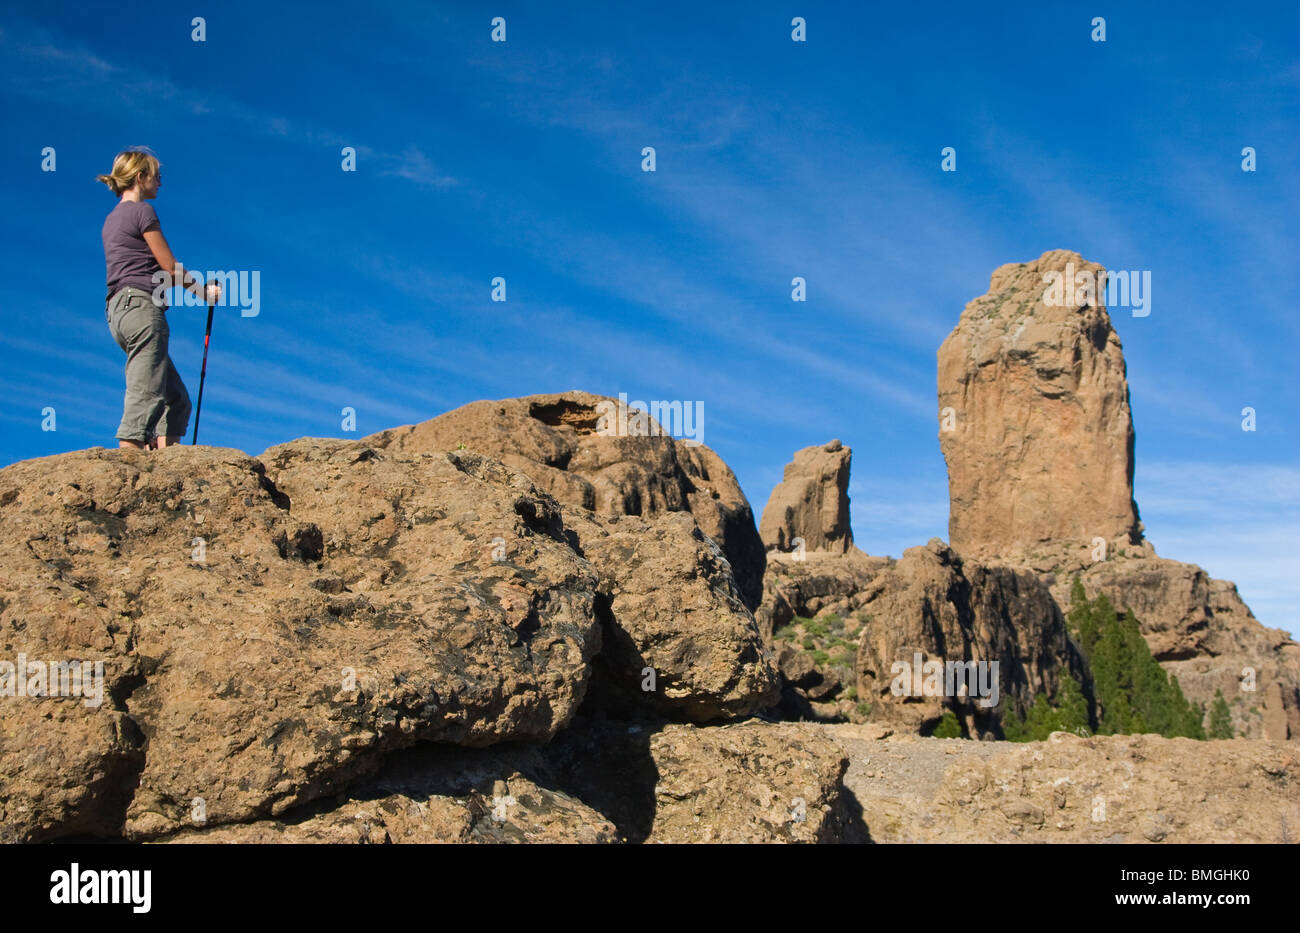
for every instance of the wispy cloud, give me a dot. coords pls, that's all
(413, 165)
(47, 66)
(1240, 521)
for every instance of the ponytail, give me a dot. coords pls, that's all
(128, 167)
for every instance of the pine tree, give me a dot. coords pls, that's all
(1221, 718)
(1041, 721)
(949, 727)
(1072, 709)
(1013, 727)
(1133, 692)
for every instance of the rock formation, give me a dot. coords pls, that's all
(811, 503)
(372, 641)
(930, 602)
(1132, 789)
(271, 629)
(1204, 634)
(1037, 433)
(507, 625)
(750, 782)
(557, 441)
(1034, 416)
(935, 606)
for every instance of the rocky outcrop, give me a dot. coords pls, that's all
(1204, 634)
(598, 782)
(808, 588)
(1034, 414)
(270, 630)
(570, 447)
(254, 655)
(932, 606)
(678, 639)
(1037, 433)
(811, 503)
(763, 782)
(663, 592)
(1131, 789)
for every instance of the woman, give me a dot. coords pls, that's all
(140, 266)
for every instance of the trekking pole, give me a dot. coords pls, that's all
(203, 373)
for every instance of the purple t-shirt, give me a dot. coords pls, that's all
(126, 255)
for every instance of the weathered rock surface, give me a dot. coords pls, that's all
(303, 644)
(555, 440)
(1041, 445)
(814, 586)
(944, 608)
(597, 782)
(272, 629)
(678, 640)
(811, 503)
(435, 794)
(1136, 789)
(752, 782)
(664, 594)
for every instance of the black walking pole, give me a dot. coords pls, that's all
(207, 335)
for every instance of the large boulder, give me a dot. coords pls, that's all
(596, 782)
(1035, 423)
(569, 446)
(679, 641)
(258, 652)
(811, 503)
(270, 629)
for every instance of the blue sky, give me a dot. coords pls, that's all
(774, 159)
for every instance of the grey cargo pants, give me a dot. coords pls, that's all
(156, 402)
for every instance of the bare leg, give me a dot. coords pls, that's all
(170, 440)
(134, 445)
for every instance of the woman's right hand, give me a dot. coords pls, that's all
(212, 293)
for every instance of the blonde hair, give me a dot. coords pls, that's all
(129, 166)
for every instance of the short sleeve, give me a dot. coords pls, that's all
(147, 218)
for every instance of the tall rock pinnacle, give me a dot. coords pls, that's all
(1034, 415)
(811, 502)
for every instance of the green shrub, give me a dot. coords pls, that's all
(949, 727)
(1221, 718)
